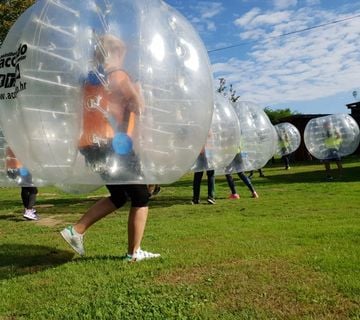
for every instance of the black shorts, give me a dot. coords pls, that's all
(29, 190)
(137, 193)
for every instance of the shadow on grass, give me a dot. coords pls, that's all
(101, 258)
(67, 202)
(167, 201)
(16, 204)
(272, 177)
(350, 174)
(21, 259)
(316, 176)
(12, 217)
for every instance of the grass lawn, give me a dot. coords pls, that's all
(291, 254)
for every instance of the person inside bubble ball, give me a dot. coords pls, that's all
(260, 171)
(202, 162)
(246, 180)
(120, 101)
(284, 142)
(138, 213)
(16, 171)
(154, 190)
(332, 143)
(111, 103)
(235, 163)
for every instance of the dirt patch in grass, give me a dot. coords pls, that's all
(96, 197)
(83, 203)
(8, 318)
(276, 288)
(184, 276)
(46, 205)
(50, 221)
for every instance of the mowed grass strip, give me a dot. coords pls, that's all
(291, 254)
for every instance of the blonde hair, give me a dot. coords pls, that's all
(107, 46)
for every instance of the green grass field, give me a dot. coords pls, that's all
(291, 254)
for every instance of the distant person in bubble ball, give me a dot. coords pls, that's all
(332, 142)
(111, 103)
(154, 190)
(284, 142)
(232, 168)
(22, 176)
(106, 142)
(202, 162)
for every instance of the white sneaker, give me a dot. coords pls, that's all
(141, 255)
(74, 239)
(31, 214)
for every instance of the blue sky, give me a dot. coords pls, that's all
(314, 71)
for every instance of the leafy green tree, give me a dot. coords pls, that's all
(10, 10)
(276, 115)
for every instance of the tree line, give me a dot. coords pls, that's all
(275, 115)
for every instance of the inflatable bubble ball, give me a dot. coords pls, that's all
(105, 92)
(257, 138)
(223, 138)
(332, 136)
(288, 138)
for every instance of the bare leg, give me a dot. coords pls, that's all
(98, 211)
(136, 226)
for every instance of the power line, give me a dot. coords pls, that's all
(286, 34)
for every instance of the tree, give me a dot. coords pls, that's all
(10, 10)
(276, 115)
(231, 92)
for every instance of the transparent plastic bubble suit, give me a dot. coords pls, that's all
(10, 58)
(116, 91)
(257, 138)
(17, 174)
(223, 137)
(5, 181)
(288, 138)
(77, 188)
(331, 136)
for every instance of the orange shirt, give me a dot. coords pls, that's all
(118, 102)
(95, 126)
(124, 101)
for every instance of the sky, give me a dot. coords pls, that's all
(298, 54)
